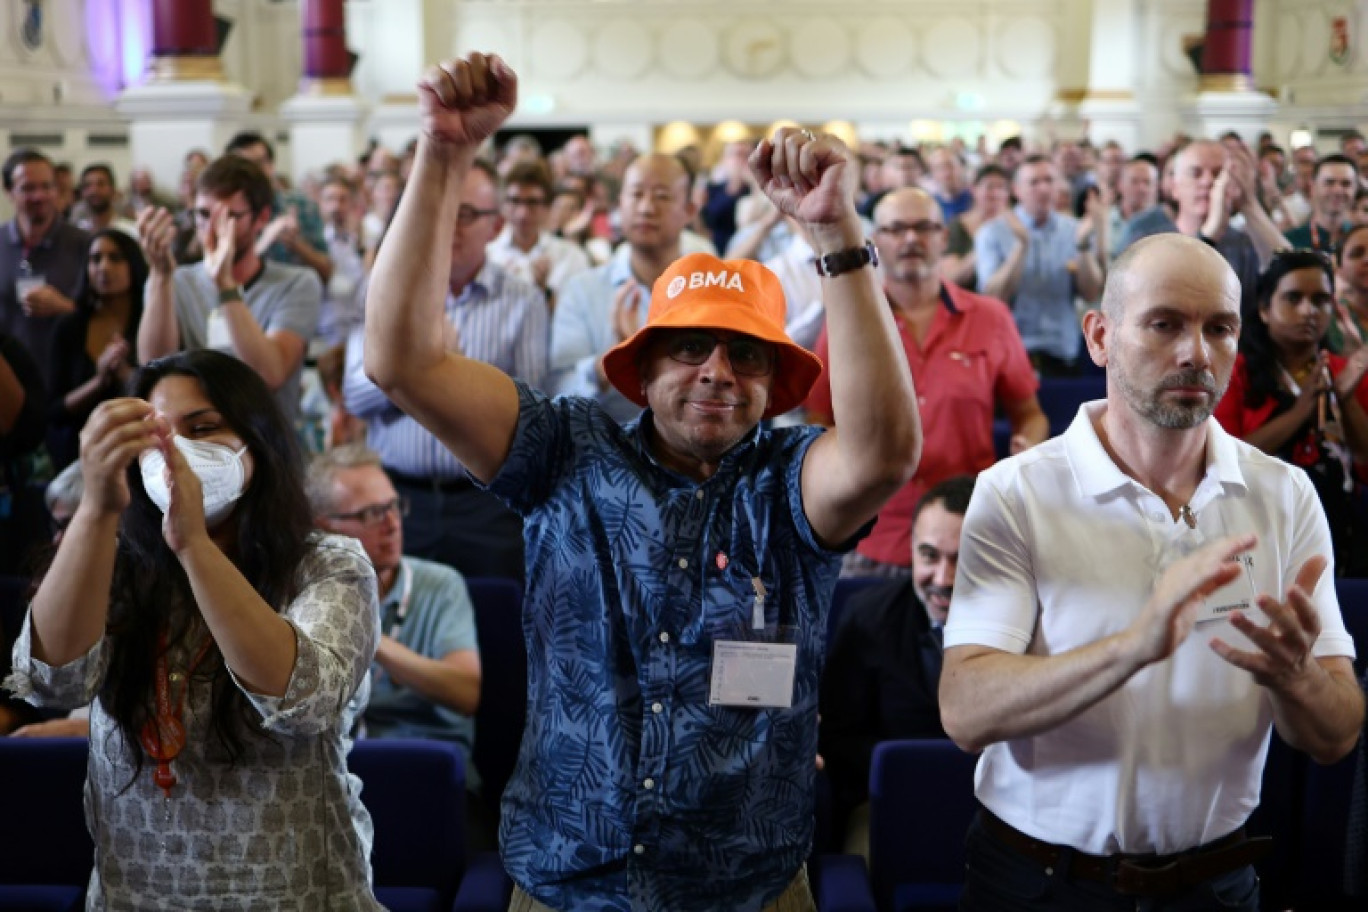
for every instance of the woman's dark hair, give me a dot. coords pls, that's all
(137, 273)
(271, 525)
(1339, 251)
(1261, 355)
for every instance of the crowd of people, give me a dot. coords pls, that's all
(676, 398)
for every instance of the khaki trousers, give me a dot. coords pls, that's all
(797, 897)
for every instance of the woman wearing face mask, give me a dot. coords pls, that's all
(1291, 398)
(92, 348)
(226, 647)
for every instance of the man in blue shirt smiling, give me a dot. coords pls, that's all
(680, 567)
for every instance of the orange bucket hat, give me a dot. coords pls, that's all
(700, 291)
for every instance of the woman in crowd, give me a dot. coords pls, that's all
(225, 645)
(992, 196)
(1291, 398)
(1349, 329)
(92, 349)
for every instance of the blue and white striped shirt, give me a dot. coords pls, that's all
(502, 321)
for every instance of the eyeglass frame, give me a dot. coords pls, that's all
(469, 215)
(669, 340)
(922, 228)
(379, 512)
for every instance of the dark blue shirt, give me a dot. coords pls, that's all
(631, 791)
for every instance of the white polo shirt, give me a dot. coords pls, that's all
(1060, 549)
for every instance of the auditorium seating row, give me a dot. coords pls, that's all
(415, 792)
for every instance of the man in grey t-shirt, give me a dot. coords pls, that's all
(262, 312)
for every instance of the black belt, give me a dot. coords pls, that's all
(434, 485)
(1138, 875)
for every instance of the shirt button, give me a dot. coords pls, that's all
(699, 494)
(639, 849)
(664, 637)
(648, 784)
(683, 563)
(656, 707)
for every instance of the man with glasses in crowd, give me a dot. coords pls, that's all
(427, 680)
(525, 248)
(488, 316)
(260, 311)
(967, 361)
(681, 566)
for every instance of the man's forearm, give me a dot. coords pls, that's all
(254, 347)
(988, 695)
(1265, 235)
(453, 681)
(1003, 283)
(1089, 277)
(159, 330)
(408, 285)
(1323, 715)
(314, 258)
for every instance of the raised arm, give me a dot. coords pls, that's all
(159, 331)
(850, 472)
(470, 406)
(72, 603)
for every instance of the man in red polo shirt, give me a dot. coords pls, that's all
(966, 358)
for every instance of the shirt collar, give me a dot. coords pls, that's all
(620, 266)
(1097, 475)
(639, 434)
(1029, 220)
(479, 288)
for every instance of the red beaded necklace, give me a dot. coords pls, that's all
(163, 736)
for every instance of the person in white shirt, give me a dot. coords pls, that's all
(343, 295)
(1138, 602)
(525, 248)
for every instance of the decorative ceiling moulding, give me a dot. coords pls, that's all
(820, 48)
(558, 50)
(1025, 48)
(952, 48)
(623, 50)
(688, 49)
(1289, 46)
(886, 48)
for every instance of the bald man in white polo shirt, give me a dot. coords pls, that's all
(1139, 601)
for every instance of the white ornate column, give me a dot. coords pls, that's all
(186, 102)
(325, 116)
(1109, 103)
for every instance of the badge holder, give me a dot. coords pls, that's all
(756, 669)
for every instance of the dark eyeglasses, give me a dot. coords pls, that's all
(468, 214)
(531, 202)
(923, 228)
(375, 514)
(747, 356)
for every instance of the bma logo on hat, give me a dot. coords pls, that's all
(675, 287)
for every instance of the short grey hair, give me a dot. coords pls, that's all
(323, 469)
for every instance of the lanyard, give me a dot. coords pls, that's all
(405, 592)
(163, 736)
(1332, 432)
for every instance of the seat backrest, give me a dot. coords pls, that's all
(845, 588)
(12, 606)
(415, 792)
(1060, 398)
(44, 783)
(1353, 602)
(921, 802)
(503, 688)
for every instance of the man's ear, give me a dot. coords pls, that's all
(1095, 331)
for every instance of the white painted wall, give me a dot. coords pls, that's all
(625, 67)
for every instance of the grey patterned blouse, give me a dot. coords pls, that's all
(283, 829)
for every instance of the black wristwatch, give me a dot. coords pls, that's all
(833, 264)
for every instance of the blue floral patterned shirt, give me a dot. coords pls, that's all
(631, 791)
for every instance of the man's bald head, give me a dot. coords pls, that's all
(1159, 257)
(909, 232)
(907, 199)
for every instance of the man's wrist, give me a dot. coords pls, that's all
(831, 237)
(230, 294)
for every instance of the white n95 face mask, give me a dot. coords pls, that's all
(218, 466)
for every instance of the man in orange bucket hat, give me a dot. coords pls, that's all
(679, 567)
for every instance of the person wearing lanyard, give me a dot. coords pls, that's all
(426, 678)
(1293, 399)
(224, 643)
(668, 757)
(1138, 602)
(1333, 185)
(42, 258)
